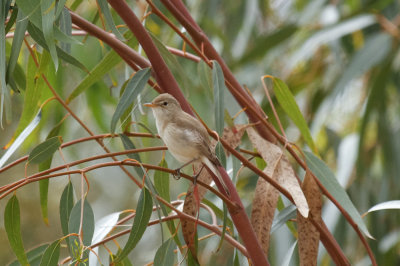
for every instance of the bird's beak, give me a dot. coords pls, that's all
(150, 105)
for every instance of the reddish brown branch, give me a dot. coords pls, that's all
(163, 75)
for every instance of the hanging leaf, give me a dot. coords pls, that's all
(280, 169)
(19, 35)
(51, 255)
(161, 181)
(37, 36)
(205, 76)
(44, 184)
(35, 87)
(5, 101)
(66, 205)
(74, 224)
(143, 213)
(165, 254)
(47, 12)
(12, 225)
(308, 239)
(329, 181)
(132, 90)
(109, 20)
(219, 88)
(289, 105)
(44, 150)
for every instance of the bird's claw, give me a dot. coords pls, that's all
(177, 174)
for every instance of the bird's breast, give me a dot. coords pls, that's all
(180, 142)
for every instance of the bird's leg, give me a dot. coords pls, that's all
(197, 175)
(177, 174)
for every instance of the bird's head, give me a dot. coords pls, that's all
(164, 106)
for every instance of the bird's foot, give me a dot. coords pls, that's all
(177, 174)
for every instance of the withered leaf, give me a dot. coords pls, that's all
(278, 165)
(308, 234)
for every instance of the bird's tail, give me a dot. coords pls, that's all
(215, 171)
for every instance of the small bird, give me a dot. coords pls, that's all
(185, 137)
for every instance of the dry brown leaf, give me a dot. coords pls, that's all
(278, 165)
(190, 208)
(262, 212)
(233, 135)
(308, 234)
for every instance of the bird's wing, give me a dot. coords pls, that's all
(195, 132)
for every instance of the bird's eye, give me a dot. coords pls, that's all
(165, 103)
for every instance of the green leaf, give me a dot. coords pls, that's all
(74, 224)
(132, 90)
(128, 145)
(60, 7)
(289, 105)
(44, 150)
(329, 181)
(173, 64)
(109, 20)
(51, 255)
(34, 256)
(48, 12)
(205, 75)
(38, 37)
(165, 254)
(219, 88)
(44, 184)
(65, 27)
(4, 93)
(143, 213)
(66, 205)
(161, 181)
(19, 35)
(44, 191)
(12, 19)
(12, 224)
(32, 11)
(110, 60)
(35, 87)
(290, 212)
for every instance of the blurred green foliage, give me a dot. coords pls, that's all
(341, 59)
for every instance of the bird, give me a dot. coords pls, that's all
(186, 138)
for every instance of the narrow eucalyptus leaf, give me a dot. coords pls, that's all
(44, 150)
(132, 90)
(51, 255)
(12, 225)
(143, 213)
(165, 254)
(329, 181)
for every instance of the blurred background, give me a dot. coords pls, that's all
(341, 60)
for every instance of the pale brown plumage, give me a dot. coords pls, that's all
(185, 137)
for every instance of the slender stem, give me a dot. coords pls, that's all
(66, 107)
